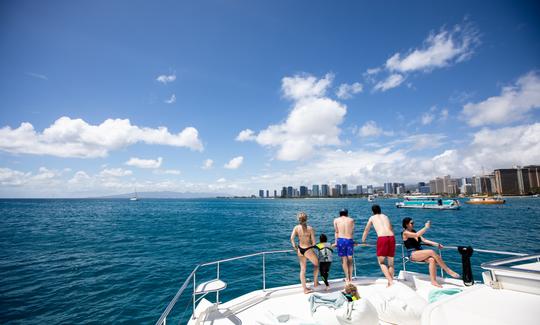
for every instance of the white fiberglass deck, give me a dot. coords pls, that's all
(264, 307)
(478, 304)
(510, 294)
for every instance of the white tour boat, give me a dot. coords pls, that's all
(428, 202)
(509, 294)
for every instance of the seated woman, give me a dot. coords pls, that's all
(413, 244)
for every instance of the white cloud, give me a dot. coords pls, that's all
(167, 172)
(12, 177)
(392, 81)
(234, 163)
(427, 118)
(513, 104)
(444, 114)
(165, 79)
(80, 177)
(246, 135)
(37, 75)
(305, 86)
(346, 91)
(313, 122)
(68, 137)
(44, 177)
(115, 172)
(171, 100)
(221, 180)
(207, 164)
(504, 147)
(439, 50)
(370, 129)
(419, 141)
(373, 71)
(145, 163)
(442, 49)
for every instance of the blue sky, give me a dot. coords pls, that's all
(101, 97)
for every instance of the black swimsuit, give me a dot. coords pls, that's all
(304, 250)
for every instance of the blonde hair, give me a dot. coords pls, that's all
(351, 289)
(302, 218)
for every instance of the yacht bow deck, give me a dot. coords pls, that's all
(510, 295)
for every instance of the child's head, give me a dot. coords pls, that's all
(376, 209)
(351, 289)
(323, 238)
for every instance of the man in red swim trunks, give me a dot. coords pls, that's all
(386, 242)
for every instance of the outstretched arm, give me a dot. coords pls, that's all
(366, 231)
(430, 242)
(410, 234)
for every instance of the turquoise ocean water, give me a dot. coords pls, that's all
(116, 261)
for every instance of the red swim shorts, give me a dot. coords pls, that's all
(386, 246)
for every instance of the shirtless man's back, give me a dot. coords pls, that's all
(344, 233)
(386, 242)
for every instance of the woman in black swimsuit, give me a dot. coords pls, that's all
(413, 244)
(304, 249)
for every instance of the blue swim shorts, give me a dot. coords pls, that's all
(345, 247)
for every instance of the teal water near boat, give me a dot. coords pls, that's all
(119, 261)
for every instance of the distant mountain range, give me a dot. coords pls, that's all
(166, 195)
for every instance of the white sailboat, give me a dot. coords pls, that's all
(135, 197)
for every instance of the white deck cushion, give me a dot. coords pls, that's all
(363, 312)
(397, 304)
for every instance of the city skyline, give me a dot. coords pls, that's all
(102, 98)
(518, 180)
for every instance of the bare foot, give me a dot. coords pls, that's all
(390, 283)
(436, 284)
(454, 275)
(308, 290)
(316, 284)
(327, 288)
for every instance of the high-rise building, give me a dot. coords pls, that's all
(337, 189)
(325, 190)
(315, 191)
(303, 191)
(534, 177)
(388, 188)
(261, 193)
(267, 193)
(290, 191)
(424, 189)
(514, 181)
(369, 189)
(275, 193)
(359, 189)
(344, 189)
(283, 192)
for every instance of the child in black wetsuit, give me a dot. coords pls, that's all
(325, 258)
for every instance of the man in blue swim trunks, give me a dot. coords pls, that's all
(344, 232)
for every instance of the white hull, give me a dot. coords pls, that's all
(432, 207)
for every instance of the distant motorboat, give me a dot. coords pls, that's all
(371, 198)
(484, 199)
(435, 202)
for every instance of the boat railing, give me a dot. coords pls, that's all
(193, 275)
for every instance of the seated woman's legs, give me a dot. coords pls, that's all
(424, 254)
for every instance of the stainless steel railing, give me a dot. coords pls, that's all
(163, 318)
